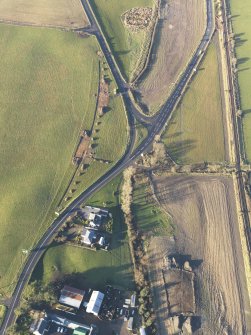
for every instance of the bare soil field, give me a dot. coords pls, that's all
(179, 287)
(180, 28)
(203, 210)
(56, 13)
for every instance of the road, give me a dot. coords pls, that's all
(156, 124)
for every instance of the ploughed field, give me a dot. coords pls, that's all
(241, 17)
(203, 210)
(56, 13)
(47, 86)
(179, 30)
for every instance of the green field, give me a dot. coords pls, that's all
(241, 18)
(95, 269)
(109, 140)
(147, 214)
(47, 95)
(195, 132)
(126, 46)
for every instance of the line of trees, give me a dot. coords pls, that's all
(138, 255)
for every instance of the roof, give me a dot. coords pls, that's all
(142, 331)
(41, 327)
(101, 241)
(92, 216)
(71, 296)
(95, 302)
(130, 323)
(133, 300)
(80, 331)
(88, 236)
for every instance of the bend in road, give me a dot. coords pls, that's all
(157, 123)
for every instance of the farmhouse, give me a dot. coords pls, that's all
(95, 303)
(88, 236)
(71, 297)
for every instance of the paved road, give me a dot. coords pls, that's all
(156, 123)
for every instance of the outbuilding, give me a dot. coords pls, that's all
(95, 302)
(142, 331)
(71, 297)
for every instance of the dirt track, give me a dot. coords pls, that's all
(180, 28)
(52, 13)
(204, 212)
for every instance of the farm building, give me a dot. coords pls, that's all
(133, 300)
(39, 327)
(88, 236)
(95, 220)
(71, 297)
(95, 303)
(142, 331)
(130, 324)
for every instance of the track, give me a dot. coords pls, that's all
(155, 125)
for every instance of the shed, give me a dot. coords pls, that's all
(95, 302)
(133, 300)
(101, 241)
(71, 297)
(142, 331)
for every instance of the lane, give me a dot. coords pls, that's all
(156, 122)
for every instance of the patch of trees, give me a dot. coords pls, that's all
(37, 297)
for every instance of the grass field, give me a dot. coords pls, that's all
(95, 268)
(126, 46)
(147, 214)
(195, 133)
(47, 85)
(241, 17)
(109, 140)
(56, 13)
